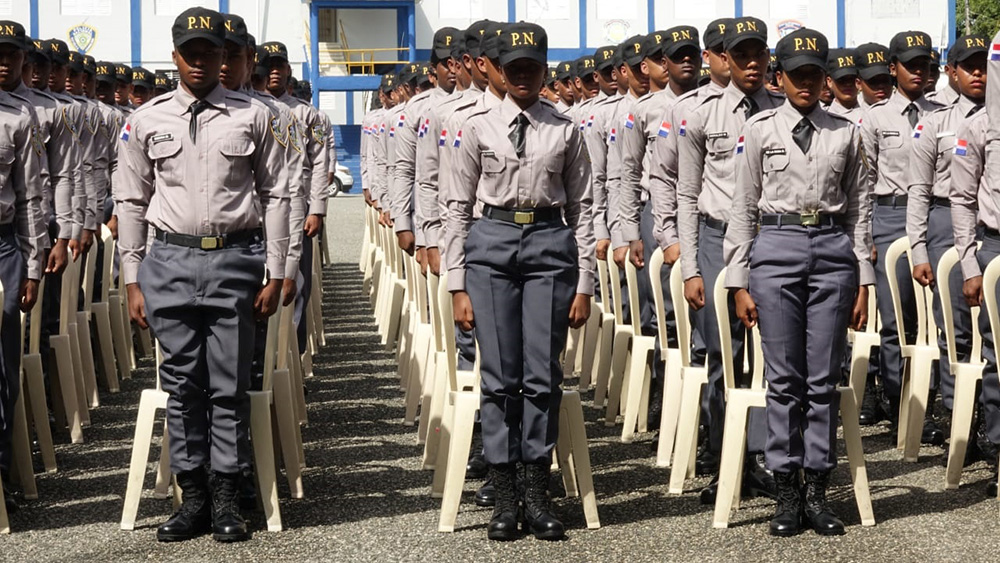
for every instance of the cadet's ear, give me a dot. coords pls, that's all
(892, 69)
(173, 56)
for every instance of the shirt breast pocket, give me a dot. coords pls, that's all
(720, 148)
(162, 155)
(235, 162)
(891, 156)
(494, 167)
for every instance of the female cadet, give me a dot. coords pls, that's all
(523, 273)
(799, 174)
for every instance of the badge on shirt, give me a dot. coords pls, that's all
(92, 124)
(70, 125)
(961, 147)
(319, 133)
(36, 140)
(630, 121)
(918, 131)
(682, 131)
(277, 132)
(773, 152)
(664, 131)
(443, 138)
(156, 139)
(995, 52)
(590, 122)
(381, 129)
(739, 145)
(458, 140)
(719, 135)
(887, 134)
(126, 132)
(424, 128)
(294, 140)
(392, 132)
(583, 125)
(613, 135)
(401, 122)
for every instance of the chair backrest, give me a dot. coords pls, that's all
(634, 303)
(602, 281)
(107, 267)
(87, 281)
(944, 268)
(614, 280)
(753, 349)
(448, 325)
(35, 334)
(420, 288)
(271, 349)
(434, 310)
(923, 297)
(67, 294)
(990, 277)
(682, 314)
(656, 282)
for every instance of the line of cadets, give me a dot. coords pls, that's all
(65, 116)
(797, 170)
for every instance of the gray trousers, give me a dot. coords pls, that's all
(888, 224)
(305, 289)
(12, 272)
(804, 281)
(940, 238)
(200, 307)
(990, 397)
(710, 263)
(521, 280)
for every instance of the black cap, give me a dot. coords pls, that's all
(489, 46)
(260, 61)
(199, 23)
(523, 41)
(802, 47)
(935, 57)
(565, 70)
(704, 76)
(58, 51)
(458, 48)
(105, 71)
(252, 42)
(388, 83)
(618, 60)
(75, 61)
(12, 33)
(678, 38)
(236, 30)
(653, 44)
(142, 77)
(967, 46)
(743, 29)
(840, 63)
(604, 57)
(123, 73)
(715, 33)
(632, 52)
(444, 38)
(908, 45)
(161, 81)
(872, 60)
(585, 67)
(89, 65)
(551, 77)
(273, 50)
(41, 49)
(474, 36)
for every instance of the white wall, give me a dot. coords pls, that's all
(820, 15)
(434, 14)
(889, 17)
(610, 22)
(371, 29)
(113, 41)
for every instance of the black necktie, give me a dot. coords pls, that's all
(911, 112)
(749, 106)
(196, 107)
(517, 135)
(802, 134)
(975, 109)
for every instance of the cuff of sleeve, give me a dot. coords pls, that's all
(918, 254)
(601, 232)
(402, 223)
(866, 273)
(431, 237)
(130, 271)
(34, 270)
(318, 208)
(737, 277)
(276, 268)
(456, 279)
(630, 232)
(90, 224)
(970, 267)
(585, 285)
(291, 268)
(65, 231)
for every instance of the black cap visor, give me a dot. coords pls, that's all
(211, 37)
(531, 54)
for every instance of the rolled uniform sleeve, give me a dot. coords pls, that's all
(297, 193)
(427, 175)
(404, 172)
(745, 213)
(663, 185)
(317, 154)
(923, 157)
(597, 147)
(633, 150)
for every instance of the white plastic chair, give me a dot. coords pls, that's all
(100, 314)
(621, 347)
(606, 333)
(68, 397)
(636, 389)
(673, 358)
(34, 385)
(990, 277)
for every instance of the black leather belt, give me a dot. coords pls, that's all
(801, 219)
(714, 223)
(991, 233)
(940, 202)
(215, 242)
(7, 229)
(892, 200)
(523, 216)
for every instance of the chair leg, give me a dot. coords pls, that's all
(105, 345)
(920, 384)
(619, 365)
(647, 381)
(730, 468)
(161, 487)
(263, 455)
(439, 396)
(145, 342)
(580, 455)
(687, 431)
(670, 411)
(604, 360)
(140, 455)
(642, 349)
(35, 389)
(284, 412)
(66, 383)
(445, 435)
(4, 521)
(418, 365)
(426, 393)
(856, 456)
(76, 363)
(87, 359)
(465, 405)
(961, 425)
(118, 336)
(564, 455)
(21, 445)
(590, 338)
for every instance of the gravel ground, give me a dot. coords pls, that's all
(367, 498)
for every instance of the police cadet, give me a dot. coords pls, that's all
(62, 152)
(584, 87)
(200, 284)
(842, 79)
(607, 62)
(548, 91)
(312, 133)
(928, 213)
(22, 232)
(800, 176)
(874, 78)
(161, 84)
(123, 88)
(95, 149)
(975, 187)
(370, 128)
(888, 129)
(950, 93)
(532, 253)
(563, 86)
(114, 119)
(143, 85)
(380, 184)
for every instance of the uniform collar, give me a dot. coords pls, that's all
(836, 104)
(734, 96)
(216, 98)
(793, 116)
(510, 110)
(964, 105)
(491, 99)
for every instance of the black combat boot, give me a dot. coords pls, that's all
(503, 525)
(787, 521)
(818, 514)
(932, 433)
(538, 515)
(487, 494)
(227, 524)
(476, 468)
(194, 517)
(867, 415)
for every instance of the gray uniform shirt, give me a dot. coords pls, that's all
(615, 166)
(313, 133)
(774, 176)
(975, 177)
(403, 182)
(552, 173)
(993, 91)
(22, 156)
(233, 179)
(705, 181)
(596, 137)
(887, 133)
(946, 95)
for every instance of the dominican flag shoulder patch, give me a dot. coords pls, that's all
(961, 147)
(918, 131)
(381, 128)
(682, 131)
(664, 131)
(443, 138)
(613, 135)
(126, 131)
(630, 121)
(590, 122)
(424, 127)
(458, 140)
(401, 122)
(995, 52)
(583, 125)
(739, 145)
(392, 131)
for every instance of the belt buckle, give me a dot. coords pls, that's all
(524, 217)
(211, 243)
(810, 219)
